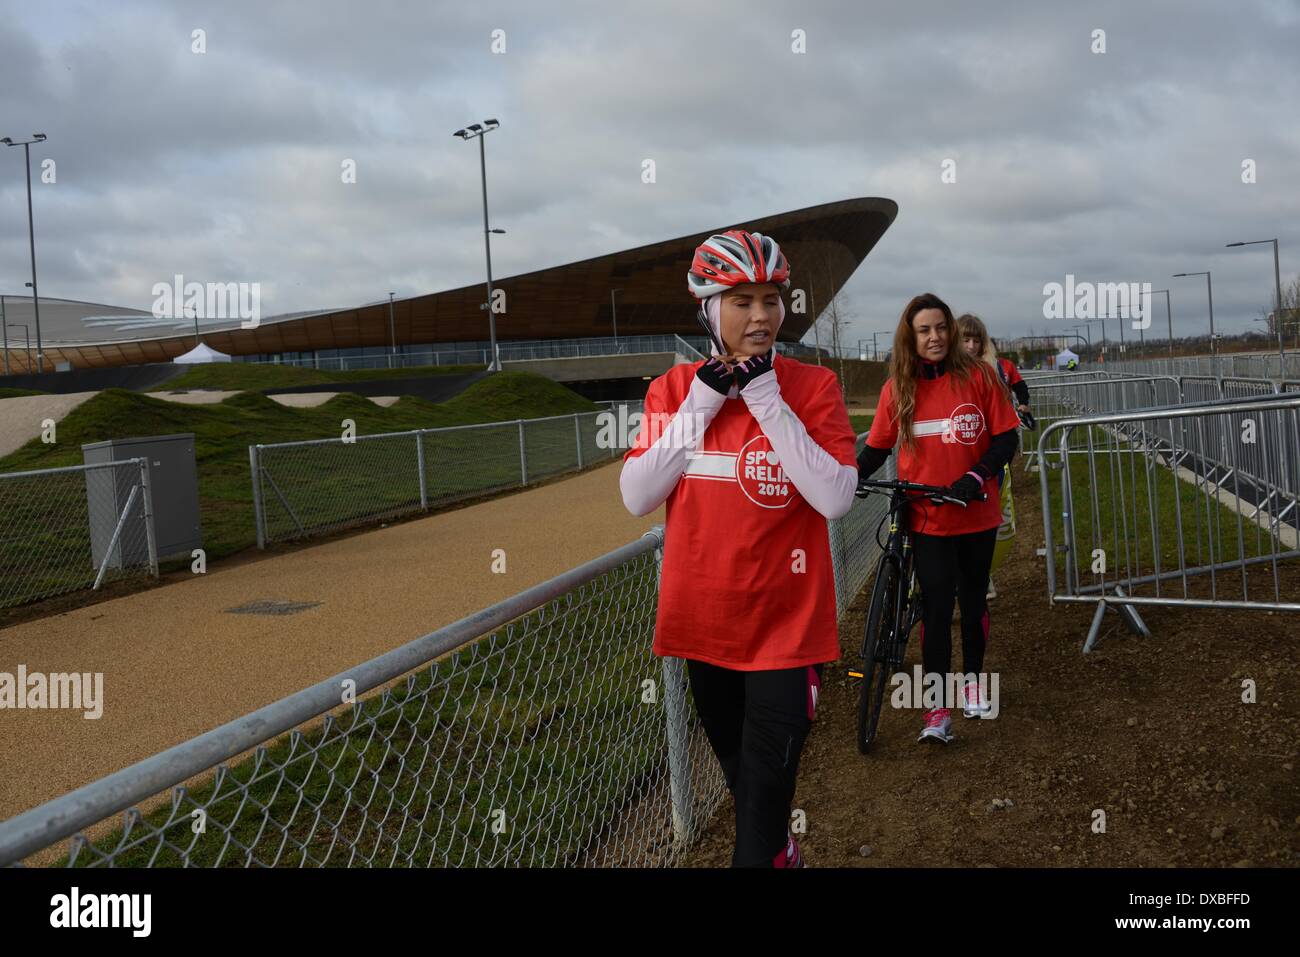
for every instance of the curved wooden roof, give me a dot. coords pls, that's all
(824, 245)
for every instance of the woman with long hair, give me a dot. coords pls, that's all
(756, 455)
(975, 340)
(950, 420)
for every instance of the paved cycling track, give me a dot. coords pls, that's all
(176, 663)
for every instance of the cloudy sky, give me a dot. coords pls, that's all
(227, 165)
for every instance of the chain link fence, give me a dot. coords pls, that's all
(71, 528)
(855, 545)
(320, 486)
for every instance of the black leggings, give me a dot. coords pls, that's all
(948, 567)
(757, 723)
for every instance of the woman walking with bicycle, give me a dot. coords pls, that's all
(977, 342)
(757, 453)
(953, 426)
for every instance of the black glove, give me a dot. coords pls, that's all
(715, 374)
(967, 488)
(753, 367)
(1027, 419)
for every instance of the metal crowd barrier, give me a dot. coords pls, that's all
(1194, 504)
(1065, 397)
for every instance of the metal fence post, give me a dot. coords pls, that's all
(577, 435)
(150, 538)
(678, 727)
(523, 455)
(259, 515)
(835, 534)
(419, 459)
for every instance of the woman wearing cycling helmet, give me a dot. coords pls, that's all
(976, 341)
(757, 455)
(954, 427)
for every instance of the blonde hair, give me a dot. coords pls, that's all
(972, 326)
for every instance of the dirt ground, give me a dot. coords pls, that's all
(1151, 731)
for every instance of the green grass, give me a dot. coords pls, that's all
(241, 376)
(1131, 502)
(223, 432)
(15, 393)
(544, 720)
(861, 423)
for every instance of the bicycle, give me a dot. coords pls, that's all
(894, 612)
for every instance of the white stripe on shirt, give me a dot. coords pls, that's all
(711, 465)
(931, 427)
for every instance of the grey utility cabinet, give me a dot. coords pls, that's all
(174, 487)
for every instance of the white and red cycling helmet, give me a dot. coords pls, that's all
(735, 257)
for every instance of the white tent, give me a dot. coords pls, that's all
(1062, 358)
(202, 353)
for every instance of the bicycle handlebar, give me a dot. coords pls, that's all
(937, 493)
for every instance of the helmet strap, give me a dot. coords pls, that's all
(708, 328)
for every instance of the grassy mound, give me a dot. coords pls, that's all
(239, 376)
(223, 432)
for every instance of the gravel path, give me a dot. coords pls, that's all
(176, 664)
(21, 416)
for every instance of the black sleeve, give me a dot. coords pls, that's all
(1021, 389)
(870, 459)
(1000, 452)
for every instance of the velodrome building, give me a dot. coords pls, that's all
(551, 313)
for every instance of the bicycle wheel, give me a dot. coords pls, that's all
(877, 650)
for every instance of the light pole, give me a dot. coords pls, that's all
(875, 352)
(31, 237)
(1084, 327)
(613, 309)
(476, 130)
(1169, 315)
(4, 324)
(1277, 284)
(1102, 345)
(1209, 291)
(392, 333)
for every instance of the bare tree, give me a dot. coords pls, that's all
(834, 322)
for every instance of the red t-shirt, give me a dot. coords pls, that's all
(1010, 374)
(747, 581)
(953, 423)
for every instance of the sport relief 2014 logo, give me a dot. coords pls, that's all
(761, 478)
(964, 425)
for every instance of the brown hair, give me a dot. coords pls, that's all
(904, 364)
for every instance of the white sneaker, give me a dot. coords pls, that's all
(993, 592)
(938, 726)
(974, 706)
